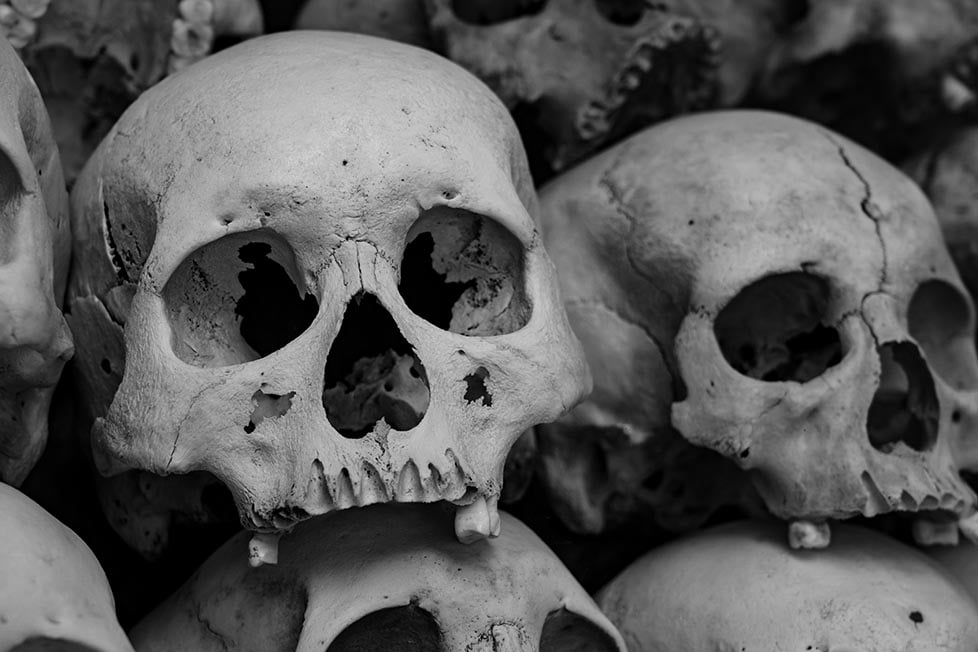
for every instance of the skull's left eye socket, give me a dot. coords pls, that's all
(237, 299)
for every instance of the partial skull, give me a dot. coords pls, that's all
(329, 298)
(749, 591)
(632, 62)
(54, 595)
(34, 250)
(791, 293)
(349, 585)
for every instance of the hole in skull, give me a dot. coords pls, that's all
(939, 318)
(396, 629)
(464, 273)
(772, 329)
(475, 387)
(565, 631)
(622, 12)
(490, 12)
(236, 299)
(905, 406)
(268, 406)
(372, 373)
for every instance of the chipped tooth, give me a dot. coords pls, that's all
(935, 533)
(263, 549)
(968, 525)
(475, 522)
(409, 489)
(343, 494)
(372, 487)
(809, 535)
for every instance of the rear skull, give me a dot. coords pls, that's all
(797, 305)
(331, 297)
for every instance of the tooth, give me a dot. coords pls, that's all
(969, 527)
(317, 491)
(343, 494)
(809, 535)
(934, 533)
(477, 521)
(643, 62)
(263, 549)
(631, 80)
(196, 11)
(372, 488)
(409, 489)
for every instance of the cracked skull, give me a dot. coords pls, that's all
(349, 585)
(798, 291)
(632, 62)
(34, 251)
(323, 250)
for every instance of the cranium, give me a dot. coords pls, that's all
(631, 63)
(350, 585)
(92, 58)
(739, 587)
(54, 595)
(333, 289)
(796, 289)
(34, 250)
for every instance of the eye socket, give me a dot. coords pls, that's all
(464, 273)
(396, 629)
(940, 318)
(622, 12)
(491, 12)
(237, 299)
(565, 631)
(773, 329)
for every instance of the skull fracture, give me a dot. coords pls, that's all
(323, 249)
(34, 251)
(345, 584)
(801, 305)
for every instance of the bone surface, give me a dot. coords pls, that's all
(385, 577)
(330, 278)
(740, 587)
(54, 595)
(793, 292)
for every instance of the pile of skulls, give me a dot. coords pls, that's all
(557, 325)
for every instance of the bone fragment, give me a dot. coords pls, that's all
(809, 535)
(263, 549)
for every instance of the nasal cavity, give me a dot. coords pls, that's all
(372, 373)
(905, 407)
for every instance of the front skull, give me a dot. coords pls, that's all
(800, 289)
(34, 250)
(334, 293)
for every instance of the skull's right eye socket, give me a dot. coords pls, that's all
(774, 329)
(237, 299)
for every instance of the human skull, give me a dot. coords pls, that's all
(739, 587)
(92, 58)
(54, 595)
(34, 250)
(323, 249)
(349, 585)
(582, 73)
(798, 292)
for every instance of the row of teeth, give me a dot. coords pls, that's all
(18, 20)
(193, 34)
(597, 117)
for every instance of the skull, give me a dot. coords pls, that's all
(333, 289)
(92, 58)
(54, 595)
(797, 290)
(34, 251)
(884, 72)
(349, 585)
(738, 587)
(632, 65)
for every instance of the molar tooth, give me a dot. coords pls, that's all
(343, 494)
(409, 489)
(476, 521)
(372, 487)
(934, 533)
(263, 549)
(969, 527)
(809, 535)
